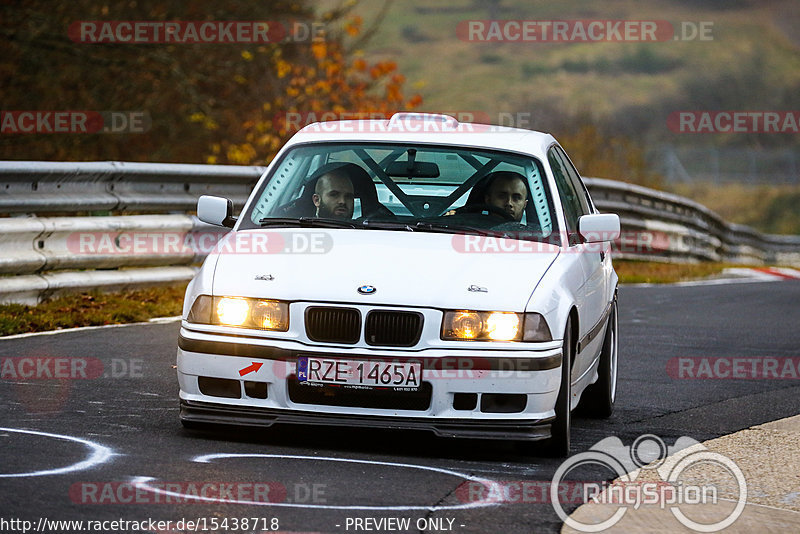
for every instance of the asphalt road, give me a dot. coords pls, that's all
(324, 480)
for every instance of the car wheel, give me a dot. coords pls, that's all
(558, 444)
(598, 399)
(559, 441)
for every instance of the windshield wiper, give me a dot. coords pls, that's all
(387, 225)
(307, 222)
(418, 226)
(425, 226)
(444, 228)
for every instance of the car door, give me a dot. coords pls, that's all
(591, 290)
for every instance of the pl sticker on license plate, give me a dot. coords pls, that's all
(334, 371)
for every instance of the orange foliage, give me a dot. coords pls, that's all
(328, 83)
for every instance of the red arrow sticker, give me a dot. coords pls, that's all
(252, 368)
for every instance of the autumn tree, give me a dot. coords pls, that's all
(207, 102)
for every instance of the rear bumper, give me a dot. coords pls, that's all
(203, 412)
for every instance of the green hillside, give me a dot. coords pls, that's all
(752, 61)
(608, 102)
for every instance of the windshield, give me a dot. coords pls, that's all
(406, 187)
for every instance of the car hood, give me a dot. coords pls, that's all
(405, 268)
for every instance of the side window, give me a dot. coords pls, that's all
(570, 199)
(583, 194)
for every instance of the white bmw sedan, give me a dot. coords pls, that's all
(410, 273)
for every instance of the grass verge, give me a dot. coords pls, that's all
(92, 309)
(95, 308)
(768, 208)
(637, 272)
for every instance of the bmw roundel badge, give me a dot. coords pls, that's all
(367, 290)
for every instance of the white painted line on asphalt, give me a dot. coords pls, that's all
(735, 275)
(492, 487)
(160, 320)
(100, 454)
(780, 272)
(157, 320)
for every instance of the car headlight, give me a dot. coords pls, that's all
(242, 312)
(232, 311)
(464, 325)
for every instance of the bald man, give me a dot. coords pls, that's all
(334, 196)
(507, 192)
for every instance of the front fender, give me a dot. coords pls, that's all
(557, 293)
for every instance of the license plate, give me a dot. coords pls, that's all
(332, 371)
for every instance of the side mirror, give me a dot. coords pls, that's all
(599, 227)
(216, 210)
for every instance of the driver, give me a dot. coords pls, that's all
(507, 191)
(334, 195)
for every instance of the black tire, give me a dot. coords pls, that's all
(598, 399)
(558, 444)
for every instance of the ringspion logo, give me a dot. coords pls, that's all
(674, 468)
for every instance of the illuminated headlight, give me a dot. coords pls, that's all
(463, 325)
(232, 311)
(503, 326)
(241, 312)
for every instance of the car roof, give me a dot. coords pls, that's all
(427, 128)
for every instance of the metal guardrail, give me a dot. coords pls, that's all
(41, 256)
(70, 187)
(683, 230)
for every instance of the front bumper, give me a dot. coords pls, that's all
(202, 412)
(499, 394)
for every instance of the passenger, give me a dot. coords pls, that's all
(507, 191)
(334, 196)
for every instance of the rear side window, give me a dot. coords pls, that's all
(580, 188)
(570, 197)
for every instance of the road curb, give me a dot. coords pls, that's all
(155, 320)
